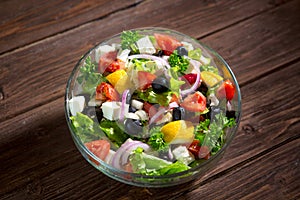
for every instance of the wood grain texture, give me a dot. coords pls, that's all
(49, 169)
(259, 39)
(24, 22)
(49, 62)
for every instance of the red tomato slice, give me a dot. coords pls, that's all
(226, 90)
(195, 102)
(105, 61)
(194, 148)
(167, 43)
(105, 91)
(99, 148)
(199, 151)
(145, 79)
(115, 65)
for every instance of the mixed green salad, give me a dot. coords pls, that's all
(152, 104)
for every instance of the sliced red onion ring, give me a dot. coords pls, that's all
(196, 66)
(124, 97)
(150, 57)
(129, 149)
(122, 154)
(156, 115)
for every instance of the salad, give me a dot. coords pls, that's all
(151, 104)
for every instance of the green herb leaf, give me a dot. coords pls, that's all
(85, 127)
(113, 132)
(128, 40)
(156, 140)
(178, 63)
(195, 54)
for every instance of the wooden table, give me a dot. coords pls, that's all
(41, 41)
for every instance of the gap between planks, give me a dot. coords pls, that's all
(66, 31)
(86, 24)
(238, 165)
(41, 40)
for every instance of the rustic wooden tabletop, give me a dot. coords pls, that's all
(41, 41)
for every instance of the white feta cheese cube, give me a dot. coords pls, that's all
(76, 104)
(145, 46)
(188, 46)
(132, 116)
(137, 104)
(182, 154)
(166, 118)
(166, 58)
(142, 115)
(102, 50)
(123, 55)
(111, 110)
(213, 100)
(94, 102)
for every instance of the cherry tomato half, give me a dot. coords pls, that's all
(99, 148)
(145, 79)
(105, 91)
(195, 102)
(227, 90)
(167, 43)
(106, 60)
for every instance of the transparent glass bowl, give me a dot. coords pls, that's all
(144, 180)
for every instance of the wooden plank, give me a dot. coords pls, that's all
(29, 23)
(57, 169)
(47, 62)
(22, 23)
(275, 175)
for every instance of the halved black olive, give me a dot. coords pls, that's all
(160, 85)
(178, 113)
(181, 50)
(133, 127)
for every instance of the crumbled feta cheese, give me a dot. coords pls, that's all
(94, 102)
(111, 110)
(188, 46)
(213, 100)
(123, 55)
(137, 104)
(142, 115)
(182, 154)
(102, 50)
(76, 104)
(145, 46)
(132, 116)
(166, 58)
(166, 118)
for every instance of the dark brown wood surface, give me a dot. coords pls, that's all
(41, 41)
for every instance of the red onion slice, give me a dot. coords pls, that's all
(150, 57)
(196, 66)
(122, 154)
(156, 115)
(124, 97)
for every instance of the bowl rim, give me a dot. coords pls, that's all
(232, 133)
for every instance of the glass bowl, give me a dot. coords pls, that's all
(221, 93)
